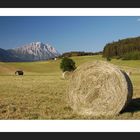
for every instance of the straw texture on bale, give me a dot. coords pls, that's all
(99, 89)
(66, 75)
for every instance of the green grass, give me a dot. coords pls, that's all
(41, 92)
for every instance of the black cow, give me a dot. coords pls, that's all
(19, 72)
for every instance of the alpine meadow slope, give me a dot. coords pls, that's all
(41, 92)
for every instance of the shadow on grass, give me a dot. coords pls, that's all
(133, 106)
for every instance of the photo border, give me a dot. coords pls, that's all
(69, 3)
(26, 126)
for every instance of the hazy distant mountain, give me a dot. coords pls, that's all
(6, 56)
(34, 52)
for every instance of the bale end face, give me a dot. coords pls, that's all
(66, 75)
(99, 89)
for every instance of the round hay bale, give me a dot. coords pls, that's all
(66, 75)
(129, 73)
(99, 89)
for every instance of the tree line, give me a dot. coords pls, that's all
(79, 53)
(128, 48)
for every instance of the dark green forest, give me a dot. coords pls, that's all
(78, 53)
(126, 49)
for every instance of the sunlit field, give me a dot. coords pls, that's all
(41, 93)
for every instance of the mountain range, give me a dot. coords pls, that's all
(35, 51)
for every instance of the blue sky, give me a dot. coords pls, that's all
(67, 33)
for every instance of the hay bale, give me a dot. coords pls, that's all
(129, 73)
(99, 89)
(66, 75)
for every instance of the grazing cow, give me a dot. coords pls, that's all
(19, 72)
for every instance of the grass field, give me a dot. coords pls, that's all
(41, 92)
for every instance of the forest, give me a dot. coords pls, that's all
(126, 49)
(79, 53)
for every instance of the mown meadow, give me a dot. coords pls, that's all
(41, 93)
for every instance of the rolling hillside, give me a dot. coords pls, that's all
(41, 92)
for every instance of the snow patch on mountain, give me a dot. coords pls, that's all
(35, 51)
